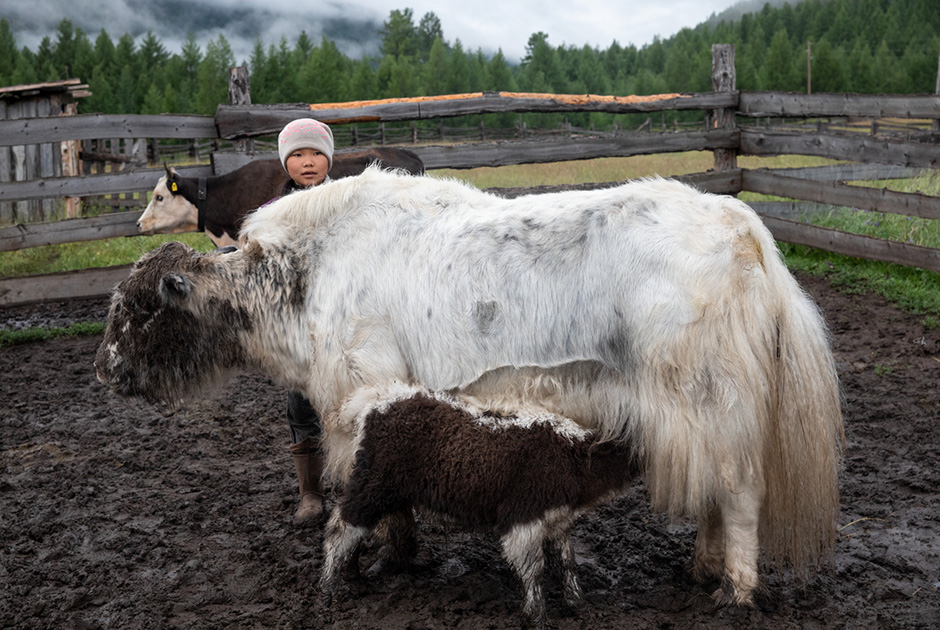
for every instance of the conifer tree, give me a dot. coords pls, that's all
(363, 85)
(429, 31)
(7, 52)
(435, 70)
(399, 36)
(213, 76)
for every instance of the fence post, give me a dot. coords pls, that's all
(935, 125)
(71, 166)
(239, 93)
(723, 80)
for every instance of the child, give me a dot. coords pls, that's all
(305, 147)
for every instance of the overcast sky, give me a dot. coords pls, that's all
(506, 26)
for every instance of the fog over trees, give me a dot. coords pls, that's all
(866, 46)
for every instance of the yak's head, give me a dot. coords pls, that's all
(172, 326)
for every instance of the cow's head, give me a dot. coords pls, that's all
(168, 212)
(172, 326)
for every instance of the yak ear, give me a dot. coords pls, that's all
(175, 288)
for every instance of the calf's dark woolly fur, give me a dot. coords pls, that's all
(527, 483)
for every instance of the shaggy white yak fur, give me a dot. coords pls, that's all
(649, 312)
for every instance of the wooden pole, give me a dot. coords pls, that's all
(71, 166)
(809, 67)
(936, 121)
(239, 93)
(723, 80)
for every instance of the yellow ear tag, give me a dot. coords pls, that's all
(174, 187)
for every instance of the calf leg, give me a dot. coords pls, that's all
(569, 568)
(522, 547)
(340, 548)
(740, 515)
(397, 533)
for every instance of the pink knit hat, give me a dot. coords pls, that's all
(305, 133)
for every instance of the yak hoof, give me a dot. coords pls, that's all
(728, 595)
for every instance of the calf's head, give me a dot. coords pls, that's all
(168, 212)
(172, 325)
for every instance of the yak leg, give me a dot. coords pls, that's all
(709, 558)
(522, 547)
(740, 515)
(340, 549)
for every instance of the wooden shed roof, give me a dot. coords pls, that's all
(75, 87)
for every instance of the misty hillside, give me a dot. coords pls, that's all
(863, 46)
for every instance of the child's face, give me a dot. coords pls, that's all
(307, 167)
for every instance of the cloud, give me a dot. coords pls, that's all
(354, 24)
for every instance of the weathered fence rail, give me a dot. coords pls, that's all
(794, 105)
(854, 146)
(838, 194)
(125, 181)
(881, 159)
(235, 121)
(28, 131)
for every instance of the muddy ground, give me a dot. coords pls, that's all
(114, 516)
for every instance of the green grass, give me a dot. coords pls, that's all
(103, 253)
(911, 289)
(612, 169)
(9, 337)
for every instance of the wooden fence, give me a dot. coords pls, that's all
(738, 125)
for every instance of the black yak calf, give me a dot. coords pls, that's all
(528, 477)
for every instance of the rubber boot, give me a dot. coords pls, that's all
(309, 464)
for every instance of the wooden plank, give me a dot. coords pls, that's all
(129, 181)
(850, 172)
(92, 126)
(726, 182)
(228, 161)
(838, 194)
(521, 152)
(61, 286)
(793, 210)
(720, 183)
(473, 155)
(254, 120)
(69, 231)
(839, 147)
(791, 104)
(50, 86)
(853, 245)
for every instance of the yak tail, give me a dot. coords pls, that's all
(745, 399)
(804, 437)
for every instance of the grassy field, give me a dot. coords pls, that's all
(612, 169)
(914, 290)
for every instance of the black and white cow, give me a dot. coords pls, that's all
(649, 313)
(218, 205)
